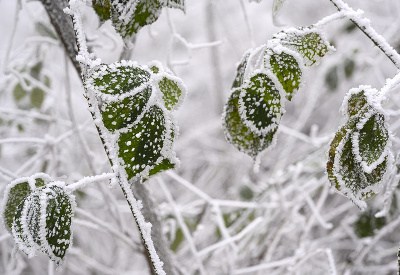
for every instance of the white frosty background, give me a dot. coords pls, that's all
(283, 220)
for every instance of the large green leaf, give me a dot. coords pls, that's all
(308, 42)
(239, 135)
(134, 115)
(260, 104)
(287, 69)
(102, 9)
(15, 194)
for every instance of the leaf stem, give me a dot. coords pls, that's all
(364, 25)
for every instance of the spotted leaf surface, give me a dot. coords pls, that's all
(177, 4)
(43, 222)
(239, 135)
(134, 115)
(260, 105)
(288, 69)
(359, 158)
(16, 192)
(308, 42)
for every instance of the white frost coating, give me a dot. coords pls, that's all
(387, 201)
(87, 180)
(144, 229)
(31, 181)
(244, 112)
(364, 25)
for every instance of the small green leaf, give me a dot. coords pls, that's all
(37, 97)
(367, 223)
(238, 134)
(19, 92)
(172, 93)
(239, 79)
(349, 66)
(287, 68)
(43, 222)
(102, 9)
(260, 105)
(354, 102)
(372, 139)
(311, 45)
(59, 214)
(119, 78)
(332, 78)
(246, 193)
(121, 113)
(276, 6)
(128, 20)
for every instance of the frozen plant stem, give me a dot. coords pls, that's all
(364, 25)
(74, 42)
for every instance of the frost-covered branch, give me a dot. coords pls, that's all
(64, 28)
(364, 25)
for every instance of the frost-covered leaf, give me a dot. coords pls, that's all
(119, 78)
(308, 42)
(43, 222)
(354, 102)
(102, 9)
(241, 70)
(371, 139)
(145, 148)
(128, 17)
(276, 6)
(133, 106)
(239, 135)
(172, 91)
(367, 223)
(260, 104)
(121, 113)
(288, 69)
(16, 192)
(345, 171)
(177, 4)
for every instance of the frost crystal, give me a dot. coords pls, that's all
(133, 107)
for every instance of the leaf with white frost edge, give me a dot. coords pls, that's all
(136, 125)
(241, 69)
(176, 4)
(16, 192)
(261, 102)
(346, 174)
(43, 222)
(287, 65)
(239, 135)
(371, 140)
(310, 43)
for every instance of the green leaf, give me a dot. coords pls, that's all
(15, 194)
(171, 92)
(37, 97)
(332, 78)
(238, 134)
(102, 9)
(355, 101)
(59, 214)
(43, 222)
(119, 78)
(308, 42)
(19, 92)
(277, 5)
(128, 20)
(349, 67)
(260, 105)
(134, 116)
(287, 69)
(372, 139)
(144, 147)
(122, 113)
(239, 79)
(367, 223)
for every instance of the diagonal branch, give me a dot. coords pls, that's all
(64, 28)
